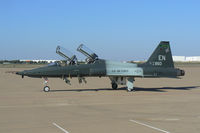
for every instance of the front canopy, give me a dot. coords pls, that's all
(71, 58)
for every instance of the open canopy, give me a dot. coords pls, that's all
(91, 56)
(66, 54)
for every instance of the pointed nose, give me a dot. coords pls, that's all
(24, 73)
(20, 73)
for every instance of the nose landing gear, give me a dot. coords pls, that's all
(46, 88)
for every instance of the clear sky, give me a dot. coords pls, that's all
(114, 29)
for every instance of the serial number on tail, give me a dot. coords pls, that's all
(156, 63)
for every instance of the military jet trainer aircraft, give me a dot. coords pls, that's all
(160, 64)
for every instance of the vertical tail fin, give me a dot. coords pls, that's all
(162, 56)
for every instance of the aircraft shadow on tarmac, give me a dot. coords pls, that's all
(162, 89)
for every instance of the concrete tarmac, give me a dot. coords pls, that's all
(158, 106)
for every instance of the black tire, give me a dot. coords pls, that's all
(114, 86)
(46, 89)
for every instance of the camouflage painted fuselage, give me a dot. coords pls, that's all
(102, 68)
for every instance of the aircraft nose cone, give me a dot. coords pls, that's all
(20, 73)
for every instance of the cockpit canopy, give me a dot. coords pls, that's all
(91, 56)
(71, 58)
(53, 64)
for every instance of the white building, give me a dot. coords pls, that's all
(179, 58)
(48, 61)
(186, 58)
(193, 58)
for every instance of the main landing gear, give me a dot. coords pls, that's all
(129, 82)
(114, 86)
(46, 88)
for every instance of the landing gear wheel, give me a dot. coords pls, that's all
(46, 89)
(114, 86)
